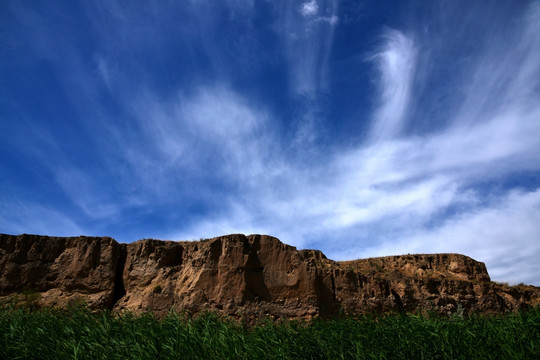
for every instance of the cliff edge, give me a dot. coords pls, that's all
(244, 277)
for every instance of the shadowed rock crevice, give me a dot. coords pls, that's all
(398, 301)
(255, 286)
(326, 295)
(254, 277)
(119, 290)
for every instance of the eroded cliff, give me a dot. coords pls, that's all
(244, 277)
(61, 270)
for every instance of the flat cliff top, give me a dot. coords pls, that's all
(442, 266)
(439, 265)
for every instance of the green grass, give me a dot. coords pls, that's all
(80, 334)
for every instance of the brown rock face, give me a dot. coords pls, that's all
(62, 270)
(246, 277)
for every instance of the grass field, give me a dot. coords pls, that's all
(80, 334)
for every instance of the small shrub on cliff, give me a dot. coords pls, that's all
(76, 303)
(157, 290)
(29, 298)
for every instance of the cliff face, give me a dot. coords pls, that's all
(62, 270)
(245, 277)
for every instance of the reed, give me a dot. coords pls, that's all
(80, 334)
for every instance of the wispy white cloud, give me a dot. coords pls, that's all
(309, 8)
(333, 20)
(501, 79)
(409, 179)
(18, 216)
(104, 71)
(396, 62)
(91, 197)
(307, 33)
(212, 126)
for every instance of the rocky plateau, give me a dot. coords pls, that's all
(244, 277)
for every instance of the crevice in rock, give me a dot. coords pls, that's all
(399, 303)
(325, 293)
(333, 287)
(256, 289)
(119, 289)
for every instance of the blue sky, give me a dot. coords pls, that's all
(360, 128)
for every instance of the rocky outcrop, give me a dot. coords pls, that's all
(245, 277)
(61, 270)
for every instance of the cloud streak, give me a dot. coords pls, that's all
(309, 8)
(307, 33)
(396, 62)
